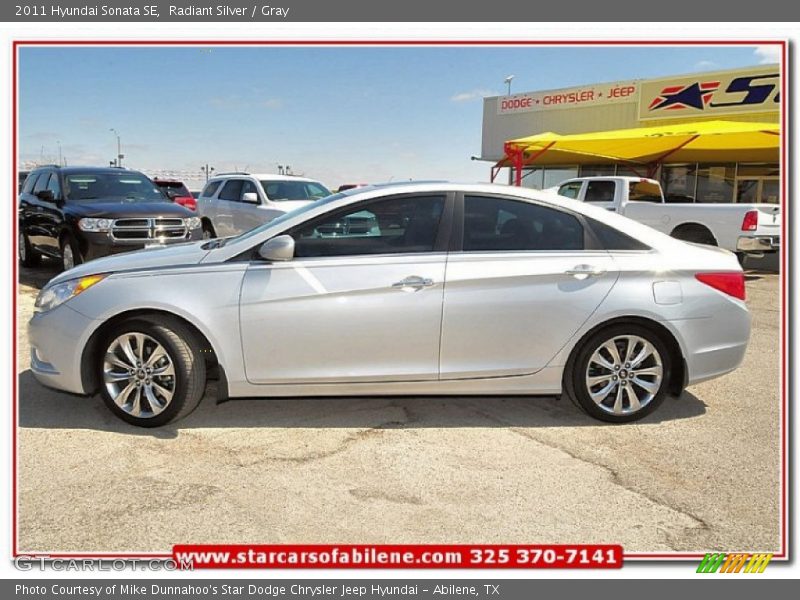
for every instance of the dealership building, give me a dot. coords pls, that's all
(732, 175)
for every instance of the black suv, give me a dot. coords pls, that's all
(76, 214)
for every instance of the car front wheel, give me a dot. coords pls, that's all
(151, 372)
(70, 253)
(28, 257)
(620, 374)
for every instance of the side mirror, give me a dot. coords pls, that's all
(250, 197)
(277, 249)
(45, 196)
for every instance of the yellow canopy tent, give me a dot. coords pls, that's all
(703, 141)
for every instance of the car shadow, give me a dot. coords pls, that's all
(37, 277)
(43, 408)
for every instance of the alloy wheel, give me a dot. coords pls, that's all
(139, 375)
(624, 374)
(68, 257)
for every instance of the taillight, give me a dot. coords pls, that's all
(730, 283)
(189, 202)
(750, 221)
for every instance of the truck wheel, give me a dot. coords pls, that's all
(70, 253)
(697, 234)
(208, 231)
(28, 257)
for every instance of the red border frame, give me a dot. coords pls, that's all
(784, 363)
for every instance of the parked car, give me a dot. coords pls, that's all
(177, 192)
(448, 289)
(741, 228)
(232, 203)
(76, 214)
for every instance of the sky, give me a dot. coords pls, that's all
(340, 115)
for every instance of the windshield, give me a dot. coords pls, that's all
(294, 190)
(285, 217)
(125, 185)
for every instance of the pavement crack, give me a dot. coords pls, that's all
(614, 476)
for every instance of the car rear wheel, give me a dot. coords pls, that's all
(620, 374)
(151, 373)
(28, 257)
(208, 231)
(70, 253)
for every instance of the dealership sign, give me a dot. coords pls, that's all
(711, 94)
(591, 95)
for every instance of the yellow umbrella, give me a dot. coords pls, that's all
(703, 141)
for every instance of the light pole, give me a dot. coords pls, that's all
(119, 147)
(207, 170)
(59, 152)
(508, 81)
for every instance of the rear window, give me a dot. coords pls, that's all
(644, 191)
(175, 187)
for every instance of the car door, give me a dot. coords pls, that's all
(527, 277)
(52, 214)
(44, 221)
(226, 207)
(360, 302)
(27, 206)
(251, 212)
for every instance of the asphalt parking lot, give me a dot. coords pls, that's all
(702, 473)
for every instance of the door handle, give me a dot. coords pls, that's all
(414, 283)
(585, 271)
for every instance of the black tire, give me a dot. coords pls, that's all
(741, 256)
(69, 247)
(208, 231)
(182, 348)
(576, 387)
(28, 257)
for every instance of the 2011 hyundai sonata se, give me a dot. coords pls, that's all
(428, 288)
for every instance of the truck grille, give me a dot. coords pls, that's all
(160, 228)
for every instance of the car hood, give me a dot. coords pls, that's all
(173, 255)
(120, 209)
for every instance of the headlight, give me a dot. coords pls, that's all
(193, 222)
(51, 297)
(94, 224)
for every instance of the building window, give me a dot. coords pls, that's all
(757, 183)
(598, 170)
(542, 178)
(678, 182)
(715, 183)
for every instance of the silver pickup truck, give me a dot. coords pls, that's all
(746, 229)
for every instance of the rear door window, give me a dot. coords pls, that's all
(500, 224)
(30, 182)
(210, 189)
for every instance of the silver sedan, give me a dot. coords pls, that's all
(395, 290)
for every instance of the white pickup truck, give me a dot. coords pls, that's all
(752, 229)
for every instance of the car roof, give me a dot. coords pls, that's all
(79, 169)
(272, 176)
